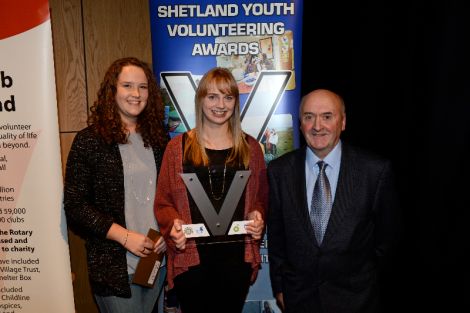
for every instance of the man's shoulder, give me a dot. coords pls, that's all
(363, 156)
(287, 159)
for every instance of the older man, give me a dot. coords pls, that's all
(333, 217)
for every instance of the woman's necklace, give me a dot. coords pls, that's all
(221, 195)
(142, 197)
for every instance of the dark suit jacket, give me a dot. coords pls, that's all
(341, 275)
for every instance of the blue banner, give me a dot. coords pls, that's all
(260, 42)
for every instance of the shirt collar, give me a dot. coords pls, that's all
(333, 158)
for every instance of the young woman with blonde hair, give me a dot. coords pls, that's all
(214, 270)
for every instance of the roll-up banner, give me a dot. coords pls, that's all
(34, 257)
(260, 42)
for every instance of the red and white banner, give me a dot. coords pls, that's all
(35, 271)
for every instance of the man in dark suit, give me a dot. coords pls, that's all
(326, 247)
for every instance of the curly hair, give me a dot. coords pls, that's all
(105, 115)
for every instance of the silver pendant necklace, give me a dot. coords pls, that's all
(222, 192)
(143, 197)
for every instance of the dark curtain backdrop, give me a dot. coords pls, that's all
(403, 70)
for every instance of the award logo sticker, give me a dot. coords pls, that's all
(195, 230)
(238, 227)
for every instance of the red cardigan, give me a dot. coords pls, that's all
(171, 202)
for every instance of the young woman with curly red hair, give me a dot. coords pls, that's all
(110, 182)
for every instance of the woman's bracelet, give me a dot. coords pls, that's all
(125, 240)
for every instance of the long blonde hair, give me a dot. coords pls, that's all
(194, 150)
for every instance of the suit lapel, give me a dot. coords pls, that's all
(345, 192)
(298, 191)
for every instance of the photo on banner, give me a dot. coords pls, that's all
(260, 43)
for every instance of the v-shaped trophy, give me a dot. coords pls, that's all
(218, 223)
